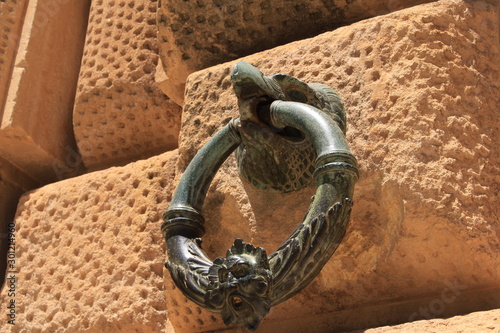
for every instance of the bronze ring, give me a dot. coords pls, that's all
(243, 286)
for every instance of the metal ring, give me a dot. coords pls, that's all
(243, 286)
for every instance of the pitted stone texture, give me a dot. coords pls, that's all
(36, 133)
(120, 115)
(184, 315)
(421, 93)
(11, 22)
(13, 183)
(197, 34)
(90, 252)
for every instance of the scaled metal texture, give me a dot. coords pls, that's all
(288, 134)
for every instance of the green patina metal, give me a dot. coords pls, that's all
(289, 133)
(277, 158)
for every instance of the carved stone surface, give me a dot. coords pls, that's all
(38, 73)
(13, 183)
(421, 88)
(197, 34)
(11, 22)
(89, 255)
(423, 126)
(120, 115)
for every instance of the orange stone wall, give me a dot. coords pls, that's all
(197, 34)
(13, 183)
(89, 256)
(420, 88)
(120, 115)
(11, 19)
(40, 51)
(93, 143)
(40, 65)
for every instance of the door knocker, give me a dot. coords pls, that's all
(289, 133)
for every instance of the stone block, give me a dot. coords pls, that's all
(36, 133)
(11, 22)
(482, 321)
(198, 34)
(421, 93)
(13, 183)
(89, 252)
(120, 115)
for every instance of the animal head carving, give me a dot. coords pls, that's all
(271, 158)
(240, 285)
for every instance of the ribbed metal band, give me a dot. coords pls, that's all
(330, 169)
(182, 221)
(336, 156)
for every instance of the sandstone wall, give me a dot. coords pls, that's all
(40, 51)
(39, 67)
(13, 183)
(421, 92)
(120, 115)
(421, 89)
(11, 20)
(197, 34)
(90, 253)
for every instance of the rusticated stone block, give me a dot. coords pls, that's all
(120, 115)
(39, 70)
(421, 92)
(90, 252)
(197, 34)
(11, 19)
